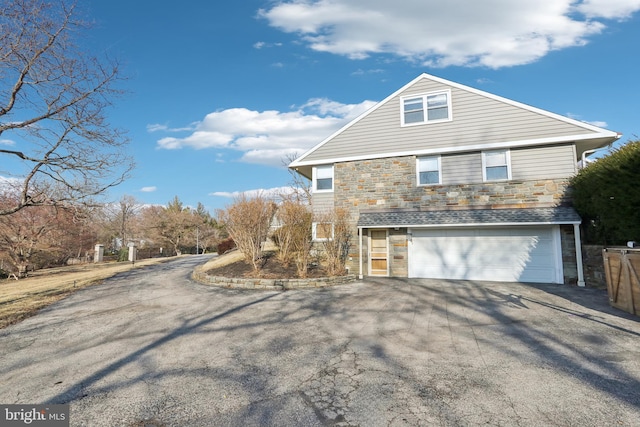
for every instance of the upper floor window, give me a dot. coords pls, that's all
(496, 165)
(427, 108)
(413, 110)
(429, 171)
(323, 178)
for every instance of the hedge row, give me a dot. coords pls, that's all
(606, 194)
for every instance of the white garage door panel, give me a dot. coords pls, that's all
(526, 254)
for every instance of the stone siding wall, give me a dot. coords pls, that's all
(390, 183)
(398, 252)
(569, 263)
(594, 275)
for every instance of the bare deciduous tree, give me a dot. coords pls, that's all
(333, 230)
(247, 220)
(300, 185)
(129, 207)
(170, 225)
(23, 235)
(118, 222)
(50, 234)
(293, 237)
(53, 102)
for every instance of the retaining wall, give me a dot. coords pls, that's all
(271, 284)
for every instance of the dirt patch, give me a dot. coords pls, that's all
(271, 269)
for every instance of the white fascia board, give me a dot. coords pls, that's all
(461, 149)
(299, 162)
(469, 225)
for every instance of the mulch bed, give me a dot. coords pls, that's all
(271, 269)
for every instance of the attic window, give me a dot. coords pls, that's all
(432, 107)
(413, 110)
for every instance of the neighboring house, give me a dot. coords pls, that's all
(446, 181)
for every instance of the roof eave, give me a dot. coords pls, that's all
(479, 224)
(602, 139)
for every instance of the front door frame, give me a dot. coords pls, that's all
(370, 252)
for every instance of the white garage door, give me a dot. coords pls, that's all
(506, 254)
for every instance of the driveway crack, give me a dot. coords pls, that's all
(329, 392)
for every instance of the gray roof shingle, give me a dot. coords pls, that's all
(531, 216)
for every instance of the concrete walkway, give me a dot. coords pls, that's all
(153, 348)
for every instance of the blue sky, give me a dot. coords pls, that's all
(221, 92)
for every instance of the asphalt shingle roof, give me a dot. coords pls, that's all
(557, 215)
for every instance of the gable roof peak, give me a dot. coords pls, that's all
(592, 132)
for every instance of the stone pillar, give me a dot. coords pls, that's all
(98, 254)
(132, 253)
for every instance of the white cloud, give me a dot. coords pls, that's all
(150, 189)
(483, 81)
(492, 33)
(609, 9)
(598, 123)
(261, 45)
(361, 72)
(268, 137)
(156, 127)
(274, 193)
(7, 142)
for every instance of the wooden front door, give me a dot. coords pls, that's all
(378, 253)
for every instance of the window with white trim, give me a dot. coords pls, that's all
(322, 231)
(323, 178)
(430, 107)
(429, 172)
(496, 165)
(413, 110)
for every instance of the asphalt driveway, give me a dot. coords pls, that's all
(153, 348)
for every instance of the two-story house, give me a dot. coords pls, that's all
(442, 180)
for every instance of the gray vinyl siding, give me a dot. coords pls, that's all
(477, 119)
(461, 168)
(543, 162)
(547, 162)
(322, 202)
